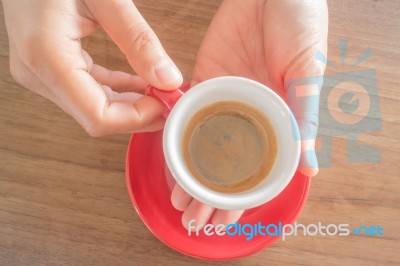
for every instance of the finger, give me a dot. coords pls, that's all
(132, 97)
(179, 198)
(156, 125)
(226, 217)
(88, 60)
(197, 214)
(80, 95)
(136, 39)
(117, 80)
(114, 96)
(303, 93)
(86, 101)
(308, 159)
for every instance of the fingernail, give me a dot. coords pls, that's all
(308, 163)
(167, 73)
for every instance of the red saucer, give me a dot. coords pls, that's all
(150, 191)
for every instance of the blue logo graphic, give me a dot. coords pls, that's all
(368, 230)
(348, 106)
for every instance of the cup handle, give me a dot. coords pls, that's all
(168, 98)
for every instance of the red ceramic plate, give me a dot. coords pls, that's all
(149, 187)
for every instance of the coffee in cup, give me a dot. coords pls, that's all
(262, 157)
(229, 146)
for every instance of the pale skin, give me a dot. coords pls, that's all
(270, 41)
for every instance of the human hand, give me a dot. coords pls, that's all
(46, 57)
(271, 42)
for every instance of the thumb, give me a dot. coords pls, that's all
(133, 35)
(303, 91)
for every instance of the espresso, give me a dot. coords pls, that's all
(229, 146)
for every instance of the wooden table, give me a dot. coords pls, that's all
(63, 198)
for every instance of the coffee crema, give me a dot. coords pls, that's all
(229, 146)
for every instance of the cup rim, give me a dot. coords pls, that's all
(233, 201)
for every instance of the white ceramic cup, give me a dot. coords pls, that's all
(233, 89)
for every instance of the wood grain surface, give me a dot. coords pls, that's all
(63, 198)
